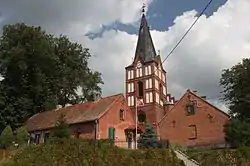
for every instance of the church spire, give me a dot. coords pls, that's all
(145, 47)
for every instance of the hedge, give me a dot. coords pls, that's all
(67, 152)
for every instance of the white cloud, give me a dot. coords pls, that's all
(215, 43)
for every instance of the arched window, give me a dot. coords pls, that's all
(140, 87)
(142, 117)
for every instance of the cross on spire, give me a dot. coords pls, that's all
(143, 8)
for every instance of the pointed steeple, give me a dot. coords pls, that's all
(145, 47)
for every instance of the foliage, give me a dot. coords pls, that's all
(148, 139)
(61, 129)
(5, 155)
(66, 152)
(238, 132)
(236, 84)
(206, 157)
(22, 136)
(41, 71)
(6, 137)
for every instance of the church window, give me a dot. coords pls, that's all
(140, 87)
(164, 90)
(132, 101)
(190, 109)
(156, 84)
(147, 84)
(130, 87)
(150, 83)
(140, 74)
(137, 72)
(122, 114)
(129, 75)
(151, 97)
(142, 117)
(146, 70)
(157, 98)
(147, 97)
(149, 70)
(161, 89)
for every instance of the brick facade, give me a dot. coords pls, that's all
(204, 127)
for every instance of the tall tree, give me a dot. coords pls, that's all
(236, 84)
(41, 71)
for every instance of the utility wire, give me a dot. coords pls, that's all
(188, 30)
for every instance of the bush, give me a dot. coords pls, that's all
(61, 129)
(6, 137)
(67, 152)
(22, 136)
(238, 132)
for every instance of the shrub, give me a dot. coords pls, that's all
(61, 129)
(6, 137)
(67, 152)
(22, 136)
(238, 132)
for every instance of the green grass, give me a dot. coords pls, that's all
(90, 153)
(221, 157)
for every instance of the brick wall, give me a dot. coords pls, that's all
(204, 127)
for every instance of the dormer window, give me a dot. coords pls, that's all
(190, 109)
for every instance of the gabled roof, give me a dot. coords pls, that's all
(145, 47)
(189, 92)
(79, 113)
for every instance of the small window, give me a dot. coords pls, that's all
(190, 109)
(192, 131)
(37, 138)
(122, 115)
(46, 137)
(140, 87)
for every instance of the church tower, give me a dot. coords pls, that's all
(146, 79)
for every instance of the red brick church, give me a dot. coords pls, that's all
(191, 121)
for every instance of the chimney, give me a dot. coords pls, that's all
(204, 97)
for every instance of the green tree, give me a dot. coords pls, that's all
(41, 71)
(238, 133)
(236, 84)
(148, 139)
(22, 136)
(6, 137)
(61, 129)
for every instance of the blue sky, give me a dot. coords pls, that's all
(161, 14)
(218, 41)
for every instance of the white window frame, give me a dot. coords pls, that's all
(164, 90)
(140, 70)
(146, 70)
(132, 101)
(156, 84)
(129, 75)
(151, 97)
(147, 97)
(147, 84)
(150, 85)
(149, 70)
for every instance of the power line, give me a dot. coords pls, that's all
(188, 30)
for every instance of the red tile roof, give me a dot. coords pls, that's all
(78, 113)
